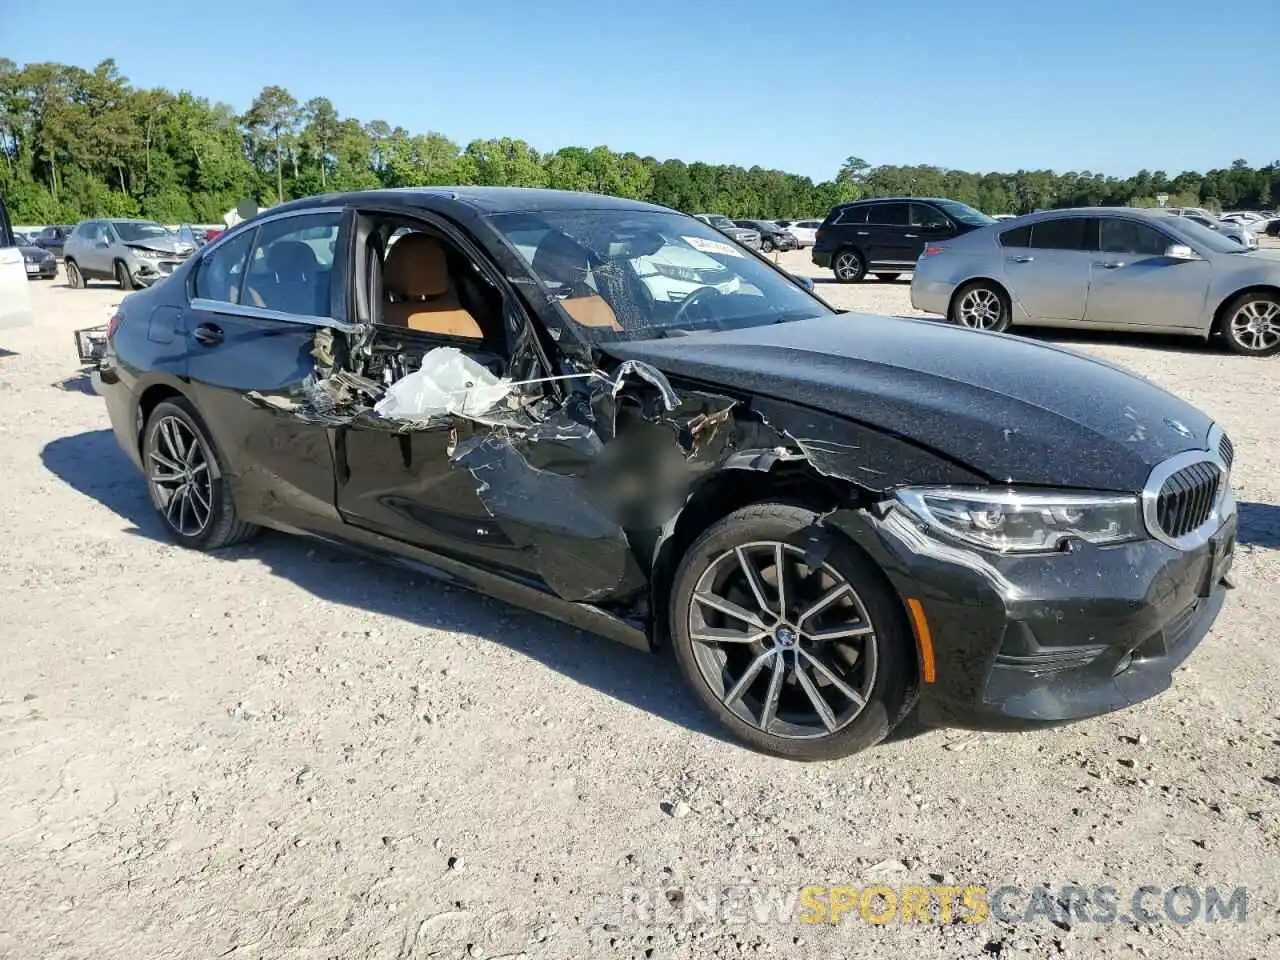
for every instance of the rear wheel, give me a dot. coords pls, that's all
(800, 658)
(888, 277)
(1251, 324)
(186, 480)
(75, 279)
(123, 276)
(982, 306)
(766, 245)
(849, 267)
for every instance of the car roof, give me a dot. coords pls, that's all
(484, 201)
(854, 203)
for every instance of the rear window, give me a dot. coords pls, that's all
(1065, 234)
(889, 214)
(850, 215)
(1019, 237)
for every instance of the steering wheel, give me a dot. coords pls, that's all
(700, 294)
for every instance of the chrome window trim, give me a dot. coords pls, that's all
(1223, 507)
(261, 313)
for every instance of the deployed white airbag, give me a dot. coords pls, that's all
(448, 382)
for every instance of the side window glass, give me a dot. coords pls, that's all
(852, 215)
(220, 273)
(1065, 234)
(889, 214)
(924, 216)
(1020, 237)
(1129, 236)
(291, 266)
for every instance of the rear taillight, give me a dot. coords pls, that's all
(112, 325)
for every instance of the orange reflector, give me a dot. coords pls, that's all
(924, 640)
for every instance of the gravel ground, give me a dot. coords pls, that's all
(285, 751)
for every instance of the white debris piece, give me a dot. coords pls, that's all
(448, 382)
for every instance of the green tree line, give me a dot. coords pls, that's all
(81, 143)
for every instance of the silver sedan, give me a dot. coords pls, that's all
(1106, 268)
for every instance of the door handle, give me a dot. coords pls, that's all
(1110, 264)
(1021, 259)
(912, 236)
(862, 233)
(209, 334)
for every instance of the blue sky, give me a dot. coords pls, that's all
(1104, 85)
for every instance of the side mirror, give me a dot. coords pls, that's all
(102, 243)
(1180, 251)
(806, 282)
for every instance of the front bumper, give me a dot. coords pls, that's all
(41, 270)
(1043, 639)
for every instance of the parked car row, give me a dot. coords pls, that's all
(39, 263)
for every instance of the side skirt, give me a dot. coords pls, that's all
(584, 616)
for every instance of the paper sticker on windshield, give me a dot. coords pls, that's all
(703, 245)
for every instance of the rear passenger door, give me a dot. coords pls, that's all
(1047, 266)
(889, 224)
(256, 302)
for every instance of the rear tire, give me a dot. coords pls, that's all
(75, 279)
(123, 276)
(849, 266)
(856, 647)
(187, 480)
(1251, 324)
(766, 246)
(981, 305)
(887, 277)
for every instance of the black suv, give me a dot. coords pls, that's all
(886, 236)
(52, 239)
(772, 235)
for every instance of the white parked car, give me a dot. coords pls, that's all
(805, 231)
(15, 298)
(676, 270)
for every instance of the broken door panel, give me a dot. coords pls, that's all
(404, 485)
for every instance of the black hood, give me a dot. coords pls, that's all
(1008, 408)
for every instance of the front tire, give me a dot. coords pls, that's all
(766, 246)
(982, 305)
(123, 276)
(798, 661)
(186, 480)
(75, 279)
(849, 266)
(1251, 324)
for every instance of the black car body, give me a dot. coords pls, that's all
(886, 236)
(52, 239)
(773, 236)
(828, 517)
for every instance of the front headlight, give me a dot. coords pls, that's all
(1022, 521)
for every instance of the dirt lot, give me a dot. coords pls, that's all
(284, 751)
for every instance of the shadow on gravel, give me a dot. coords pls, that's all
(93, 464)
(76, 383)
(1163, 341)
(1259, 525)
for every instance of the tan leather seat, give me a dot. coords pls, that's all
(420, 292)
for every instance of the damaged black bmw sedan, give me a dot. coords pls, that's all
(609, 412)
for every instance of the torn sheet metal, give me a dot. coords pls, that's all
(581, 553)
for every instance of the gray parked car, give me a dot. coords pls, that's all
(744, 235)
(1105, 268)
(1239, 232)
(134, 253)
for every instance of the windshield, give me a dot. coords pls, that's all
(131, 231)
(634, 274)
(964, 213)
(1201, 236)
